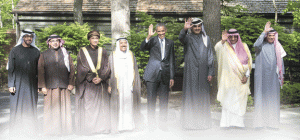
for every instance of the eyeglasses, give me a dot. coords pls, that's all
(54, 41)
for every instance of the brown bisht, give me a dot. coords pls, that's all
(92, 114)
(55, 77)
(116, 106)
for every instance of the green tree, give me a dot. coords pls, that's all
(3, 41)
(6, 17)
(74, 34)
(294, 7)
(250, 27)
(139, 32)
(233, 11)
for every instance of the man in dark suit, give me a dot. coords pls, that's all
(159, 73)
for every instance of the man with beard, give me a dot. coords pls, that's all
(234, 66)
(159, 73)
(92, 114)
(198, 72)
(268, 78)
(125, 88)
(23, 86)
(56, 78)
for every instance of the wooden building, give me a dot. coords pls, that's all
(36, 14)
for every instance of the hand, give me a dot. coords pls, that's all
(44, 91)
(171, 83)
(70, 87)
(109, 89)
(209, 78)
(268, 27)
(12, 89)
(244, 80)
(187, 24)
(224, 36)
(150, 32)
(97, 80)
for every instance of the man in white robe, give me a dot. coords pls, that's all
(125, 88)
(234, 66)
(268, 77)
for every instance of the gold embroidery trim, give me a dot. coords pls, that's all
(90, 62)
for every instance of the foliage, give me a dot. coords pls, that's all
(139, 32)
(250, 101)
(6, 9)
(290, 106)
(294, 7)
(3, 42)
(250, 28)
(293, 46)
(74, 34)
(290, 93)
(233, 11)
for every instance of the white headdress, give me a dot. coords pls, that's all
(119, 53)
(197, 21)
(119, 58)
(20, 41)
(27, 32)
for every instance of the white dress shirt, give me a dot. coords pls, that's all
(162, 49)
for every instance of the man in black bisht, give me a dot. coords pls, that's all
(22, 83)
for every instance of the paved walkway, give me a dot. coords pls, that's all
(289, 128)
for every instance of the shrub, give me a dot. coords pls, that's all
(294, 7)
(139, 32)
(75, 36)
(3, 41)
(250, 27)
(290, 93)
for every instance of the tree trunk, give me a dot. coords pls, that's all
(212, 25)
(78, 11)
(13, 19)
(1, 23)
(120, 19)
(275, 11)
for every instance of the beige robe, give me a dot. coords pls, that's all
(232, 93)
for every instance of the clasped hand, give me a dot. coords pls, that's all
(97, 80)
